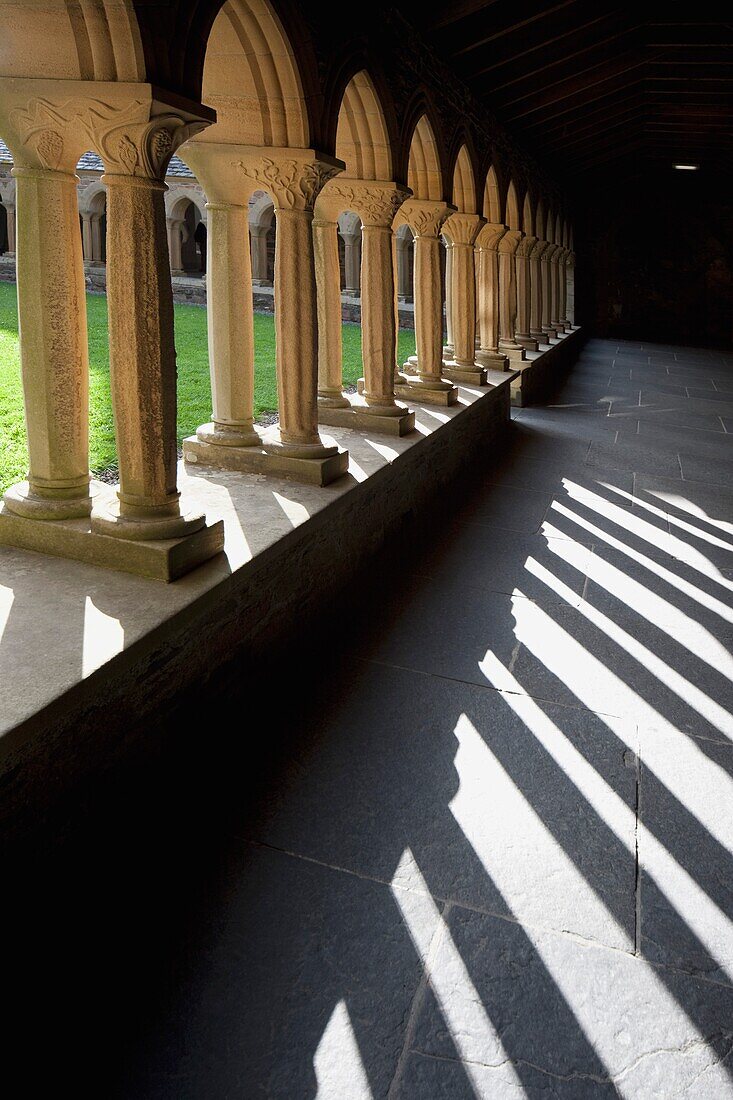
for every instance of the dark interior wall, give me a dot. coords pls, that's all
(655, 260)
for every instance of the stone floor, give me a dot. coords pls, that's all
(473, 842)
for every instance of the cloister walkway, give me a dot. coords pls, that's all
(474, 840)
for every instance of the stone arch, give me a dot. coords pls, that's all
(492, 202)
(558, 230)
(424, 174)
(539, 221)
(512, 216)
(464, 185)
(362, 139)
(528, 215)
(64, 40)
(251, 78)
(93, 199)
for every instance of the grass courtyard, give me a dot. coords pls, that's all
(194, 390)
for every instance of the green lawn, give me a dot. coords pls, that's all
(194, 391)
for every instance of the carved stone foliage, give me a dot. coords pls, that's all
(294, 184)
(425, 218)
(128, 140)
(462, 228)
(490, 236)
(375, 204)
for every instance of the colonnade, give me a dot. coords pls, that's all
(505, 291)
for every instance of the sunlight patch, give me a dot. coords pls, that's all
(339, 1069)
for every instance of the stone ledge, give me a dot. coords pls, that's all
(91, 658)
(544, 369)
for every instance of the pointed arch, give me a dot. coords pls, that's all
(539, 221)
(424, 175)
(362, 141)
(512, 216)
(464, 186)
(528, 216)
(251, 78)
(492, 204)
(558, 230)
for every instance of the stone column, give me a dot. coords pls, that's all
(563, 310)
(258, 235)
(352, 263)
(96, 257)
(403, 278)
(230, 327)
(399, 260)
(87, 247)
(524, 293)
(294, 178)
(535, 315)
(449, 346)
(546, 266)
(173, 227)
(53, 343)
(10, 212)
(461, 231)
(570, 289)
(508, 296)
(555, 267)
(425, 220)
(328, 282)
(487, 244)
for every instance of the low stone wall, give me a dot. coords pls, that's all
(539, 378)
(226, 611)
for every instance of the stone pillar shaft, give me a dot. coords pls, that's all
(86, 235)
(489, 299)
(378, 333)
(230, 327)
(428, 308)
(352, 263)
(174, 244)
(449, 341)
(535, 313)
(53, 345)
(142, 351)
(464, 296)
(296, 328)
(507, 300)
(10, 210)
(328, 280)
(259, 254)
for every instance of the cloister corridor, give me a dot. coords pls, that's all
(471, 837)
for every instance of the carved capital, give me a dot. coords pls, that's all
(375, 201)
(549, 252)
(462, 228)
(525, 247)
(424, 217)
(294, 179)
(538, 249)
(509, 243)
(489, 237)
(134, 133)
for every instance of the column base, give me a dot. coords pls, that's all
(396, 420)
(550, 334)
(336, 400)
(22, 501)
(229, 435)
(513, 354)
(330, 465)
(413, 391)
(492, 360)
(528, 343)
(464, 372)
(160, 559)
(108, 519)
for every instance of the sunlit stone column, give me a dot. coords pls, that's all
(508, 296)
(97, 251)
(487, 246)
(424, 371)
(403, 278)
(546, 266)
(10, 218)
(328, 282)
(555, 306)
(535, 316)
(53, 337)
(461, 231)
(294, 177)
(228, 297)
(524, 293)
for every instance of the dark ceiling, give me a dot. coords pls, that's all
(591, 87)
